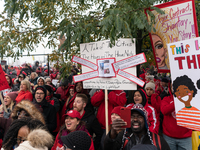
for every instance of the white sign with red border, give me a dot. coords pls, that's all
(99, 53)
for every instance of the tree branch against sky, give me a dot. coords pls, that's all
(25, 23)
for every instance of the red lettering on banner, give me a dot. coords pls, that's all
(180, 64)
(176, 13)
(198, 59)
(193, 60)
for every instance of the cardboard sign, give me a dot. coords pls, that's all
(123, 48)
(177, 24)
(3, 82)
(185, 69)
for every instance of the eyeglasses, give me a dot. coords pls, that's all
(19, 140)
(24, 114)
(39, 93)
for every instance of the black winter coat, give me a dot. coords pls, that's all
(49, 113)
(115, 144)
(93, 126)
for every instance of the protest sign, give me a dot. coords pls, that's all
(3, 82)
(177, 24)
(54, 82)
(84, 76)
(131, 78)
(96, 52)
(129, 62)
(105, 68)
(84, 62)
(185, 69)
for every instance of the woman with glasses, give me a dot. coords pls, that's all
(18, 132)
(48, 111)
(72, 123)
(24, 92)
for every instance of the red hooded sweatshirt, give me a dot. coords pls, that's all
(170, 127)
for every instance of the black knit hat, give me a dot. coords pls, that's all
(48, 88)
(164, 79)
(41, 88)
(77, 140)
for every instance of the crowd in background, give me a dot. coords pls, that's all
(38, 103)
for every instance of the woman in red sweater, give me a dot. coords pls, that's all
(24, 92)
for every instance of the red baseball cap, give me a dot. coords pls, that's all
(73, 114)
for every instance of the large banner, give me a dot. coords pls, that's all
(177, 24)
(185, 69)
(109, 68)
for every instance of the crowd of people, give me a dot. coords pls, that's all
(41, 111)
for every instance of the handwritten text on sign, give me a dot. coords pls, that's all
(123, 48)
(84, 62)
(84, 76)
(131, 78)
(130, 62)
(176, 24)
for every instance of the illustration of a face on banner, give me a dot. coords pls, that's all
(185, 90)
(178, 23)
(164, 34)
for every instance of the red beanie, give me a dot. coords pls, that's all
(116, 110)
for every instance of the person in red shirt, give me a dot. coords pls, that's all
(115, 98)
(25, 92)
(152, 97)
(62, 90)
(176, 136)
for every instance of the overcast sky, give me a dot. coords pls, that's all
(39, 50)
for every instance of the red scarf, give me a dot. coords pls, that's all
(48, 98)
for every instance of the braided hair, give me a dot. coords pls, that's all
(10, 138)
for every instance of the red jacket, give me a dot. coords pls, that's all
(62, 92)
(24, 95)
(153, 118)
(156, 102)
(115, 98)
(170, 127)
